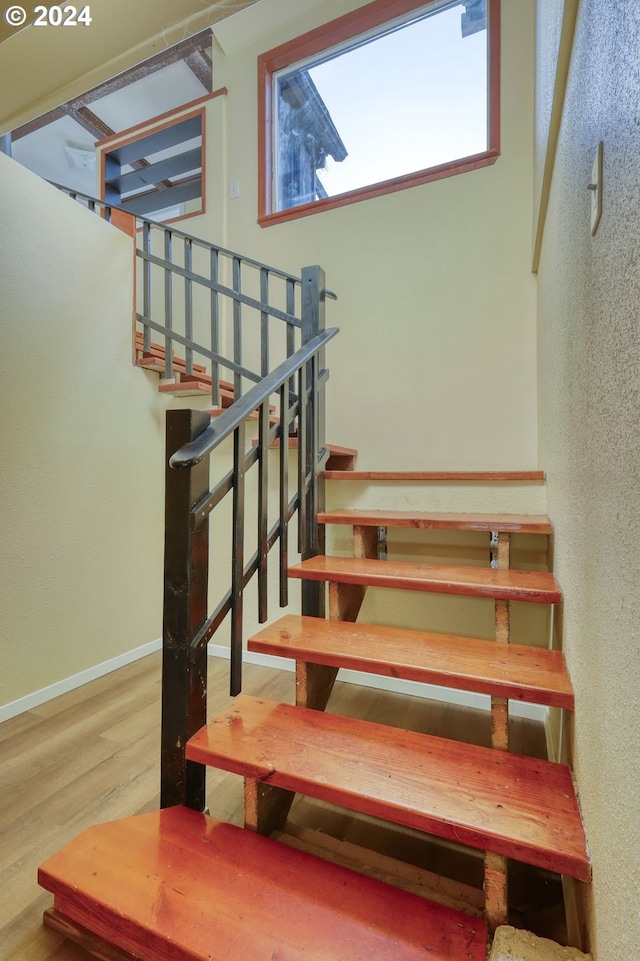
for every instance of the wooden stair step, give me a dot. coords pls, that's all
(157, 352)
(464, 476)
(156, 362)
(336, 453)
(178, 884)
(508, 523)
(186, 388)
(518, 807)
(514, 671)
(509, 585)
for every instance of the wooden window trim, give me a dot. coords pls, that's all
(193, 108)
(328, 35)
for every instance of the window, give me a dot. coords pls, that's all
(157, 173)
(366, 104)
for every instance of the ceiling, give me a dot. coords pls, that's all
(59, 145)
(54, 136)
(43, 67)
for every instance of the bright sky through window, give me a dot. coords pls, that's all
(373, 102)
(413, 98)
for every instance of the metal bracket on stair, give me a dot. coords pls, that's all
(493, 549)
(382, 543)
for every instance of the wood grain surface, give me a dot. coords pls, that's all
(520, 807)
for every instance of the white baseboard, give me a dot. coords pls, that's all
(27, 703)
(432, 692)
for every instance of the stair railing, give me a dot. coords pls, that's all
(285, 401)
(232, 312)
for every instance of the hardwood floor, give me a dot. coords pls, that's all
(92, 755)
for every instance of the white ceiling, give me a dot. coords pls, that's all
(43, 67)
(43, 151)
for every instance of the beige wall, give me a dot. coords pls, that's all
(436, 356)
(82, 445)
(436, 359)
(589, 424)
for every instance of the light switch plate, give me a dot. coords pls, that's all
(596, 188)
(234, 189)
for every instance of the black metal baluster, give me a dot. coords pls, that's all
(215, 329)
(168, 304)
(291, 331)
(302, 470)
(237, 326)
(237, 570)
(313, 538)
(284, 494)
(263, 509)
(188, 305)
(146, 286)
(264, 322)
(312, 457)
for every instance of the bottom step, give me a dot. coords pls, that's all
(178, 884)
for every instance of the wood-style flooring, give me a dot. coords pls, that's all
(92, 755)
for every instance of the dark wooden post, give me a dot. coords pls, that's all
(186, 563)
(313, 538)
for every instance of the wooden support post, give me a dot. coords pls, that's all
(265, 807)
(186, 563)
(314, 682)
(495, 890)
(500, 705)
(495, 866)
(365, 541)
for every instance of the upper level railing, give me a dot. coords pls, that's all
(271, 323)
(231, 312)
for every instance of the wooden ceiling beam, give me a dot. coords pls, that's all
(201, 67)
(192, 46)
(87, 119)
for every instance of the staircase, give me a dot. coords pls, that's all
(179, 885)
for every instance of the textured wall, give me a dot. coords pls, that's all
(589, 428)
(82, 445)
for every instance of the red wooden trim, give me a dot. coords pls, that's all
(265, 153)
(203, 167)
(343, 28)
(430, 174)
(439, 520)
(494, 75)
(329, 35)
(100, 144)
(436, 475)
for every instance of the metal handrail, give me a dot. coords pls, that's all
(192, 453)
(94, 202)
(297, 385)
